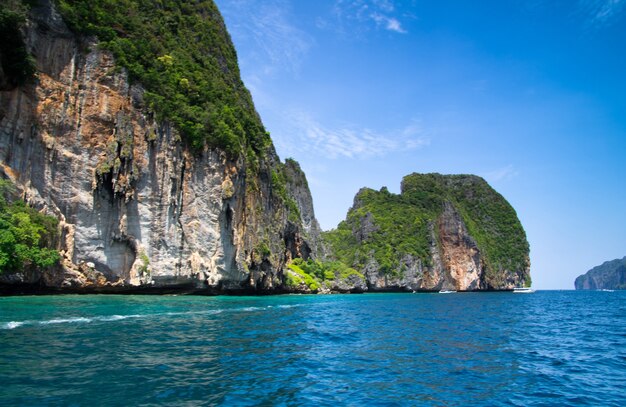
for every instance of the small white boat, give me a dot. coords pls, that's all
(523, 290)
(447, 291)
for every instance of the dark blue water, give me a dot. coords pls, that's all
(546, 348)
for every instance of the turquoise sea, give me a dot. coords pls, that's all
(546, 348)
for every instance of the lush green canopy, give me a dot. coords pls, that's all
(25, 234)
(388, 226)
(16, 65)
(182, 55)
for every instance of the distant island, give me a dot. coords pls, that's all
(442, 232)
(610, 275)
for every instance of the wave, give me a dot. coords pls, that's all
(74, 320)
(112, 318)
(13, 324)
(66, 320)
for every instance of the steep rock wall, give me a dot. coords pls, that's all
(440, 233)
(459, 251)
(298, 189)
(137, 208)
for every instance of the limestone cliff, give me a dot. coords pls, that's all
(309, 244)
(140, 209)
(610, 275)
(441, 232)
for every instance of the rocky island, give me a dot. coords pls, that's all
(610, 275)
(451, 232)
(132, 130)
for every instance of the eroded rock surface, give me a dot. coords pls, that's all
(421, 239)
(137, 207)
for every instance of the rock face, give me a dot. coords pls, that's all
(298, 190)
(610, 275)
(138, 210)
(459, 251)
(441, 232)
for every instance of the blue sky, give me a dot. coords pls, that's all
(531, 95)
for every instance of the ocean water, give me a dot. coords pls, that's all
(546, 348)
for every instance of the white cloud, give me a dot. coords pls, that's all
(394, 25)
(500, 174)
(603, 12)
(348, 141)
(592, 14)
(279, 44)
(389, 23)
(385, 5)
(364, 12)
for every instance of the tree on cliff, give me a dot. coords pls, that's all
(182, 55)
(16, 65)
(25, 234)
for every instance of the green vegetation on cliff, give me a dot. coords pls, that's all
(16, 65)
(387, 227)
(279, 187)
(25, 234)
(182, 55)
(316, 274)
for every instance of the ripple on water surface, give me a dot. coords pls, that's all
(376, 349)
